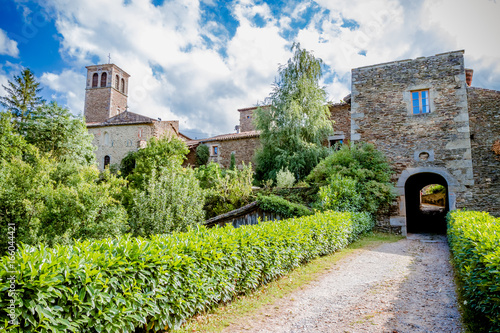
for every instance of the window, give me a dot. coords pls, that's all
(215, 150)
(107, 160)
(106, 138)
(420, 101)
(104, 79)
(123, 86)
(95, 78)
(117, 82)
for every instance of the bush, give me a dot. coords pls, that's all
(474, 239)
(171, 201)
(226, 190)
(116, 285)
(282, 207)
(55, 202)
(364, 164)
(284, 178)
(202, 155)
(340, 195)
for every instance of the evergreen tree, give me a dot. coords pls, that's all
(296, 122)
(22, 99)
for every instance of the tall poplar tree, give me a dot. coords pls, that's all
(296, 121)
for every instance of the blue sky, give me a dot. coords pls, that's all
(198, 61)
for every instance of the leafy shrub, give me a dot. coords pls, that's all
(365, 165)
(340, 195)
(226, 190)
(171, 201)
(202, 155)
(55, 202)
(158, 153)
(474, 239)
(285, 178)
(282, 207)
(116, 285)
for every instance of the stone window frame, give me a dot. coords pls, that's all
(214, 150)
(407, 97)
(95, 80)
(117, 82)
(104, 80)
(337, 136)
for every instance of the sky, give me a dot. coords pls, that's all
(199, 61)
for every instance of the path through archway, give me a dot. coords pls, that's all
(426, 213)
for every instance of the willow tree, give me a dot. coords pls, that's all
(296, 119)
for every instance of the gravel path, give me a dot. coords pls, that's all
(399, 287)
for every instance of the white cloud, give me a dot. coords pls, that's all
(8, 46)
(68, 86)
(177, 74)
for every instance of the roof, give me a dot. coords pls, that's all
(124, 118)
(232, 136)
(254, 108)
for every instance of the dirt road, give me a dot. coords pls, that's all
(405, 286)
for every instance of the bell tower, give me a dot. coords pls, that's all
(106, 92)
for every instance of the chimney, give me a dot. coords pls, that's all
(468, 76)
(237, 128)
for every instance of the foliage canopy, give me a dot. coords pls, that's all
(295, 121)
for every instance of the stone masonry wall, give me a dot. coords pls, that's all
(244, 150)
(97, 104)
(484, 116)
(433, 142)
(121, 140)
(246, 124)
(341, 115)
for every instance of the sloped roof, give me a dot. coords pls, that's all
(232, 136)
(124, 118)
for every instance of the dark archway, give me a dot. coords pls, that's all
(422, 217)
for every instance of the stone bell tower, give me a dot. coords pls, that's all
(106, 92)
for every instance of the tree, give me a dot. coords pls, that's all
(54, 130)
(22, 99)
(296, 122)
(202, 155)
(157, 154)
(12, 144)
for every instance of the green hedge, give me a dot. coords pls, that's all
(115, 285)
(282, 207)
(474, 239)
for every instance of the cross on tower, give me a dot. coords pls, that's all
(109, 58)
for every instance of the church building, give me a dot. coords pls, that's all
(116, 130)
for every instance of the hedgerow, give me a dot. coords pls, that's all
(474, 239)
(116, 285)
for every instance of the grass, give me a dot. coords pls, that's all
(245, 306)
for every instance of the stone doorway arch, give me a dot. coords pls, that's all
(409, 183)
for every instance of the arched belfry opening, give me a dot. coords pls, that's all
(426, 202)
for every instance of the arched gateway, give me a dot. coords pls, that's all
(414, 214)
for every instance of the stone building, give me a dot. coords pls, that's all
(434, 128)
(116, 130)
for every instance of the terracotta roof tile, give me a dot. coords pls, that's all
(232, 136)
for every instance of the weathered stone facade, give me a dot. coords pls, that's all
(433, 145)
(484, 120)
(243, 145)
(340, 114)
(246, 119)
(127, 132)
(105, 93)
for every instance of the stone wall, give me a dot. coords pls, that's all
(437, 142)
(246, 124)
(116, 141)
(341, 115)
(243, 148)
(484, 116)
